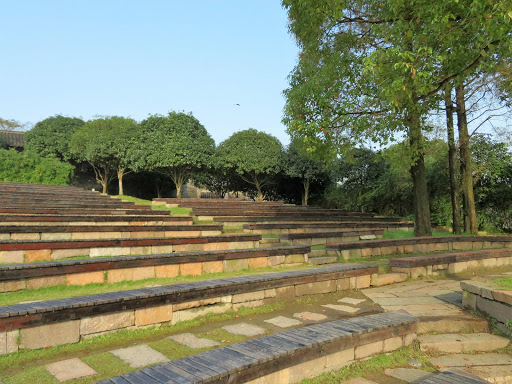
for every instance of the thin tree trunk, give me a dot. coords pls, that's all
(306, 191)
(422, 223)
(452, 163)
(179, 184)
(120, 174)
(470, 223)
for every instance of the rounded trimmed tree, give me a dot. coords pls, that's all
(254, 156)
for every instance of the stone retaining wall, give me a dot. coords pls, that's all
(32, 251)
(417, 244)
(433, 265)
(49, 323)
(290, 356)
(486, 298)
(320, 238)
(283, 229)
(131, 268)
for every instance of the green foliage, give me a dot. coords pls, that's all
(254, 156)
(51, 136)
(29, 167)
(177, 145)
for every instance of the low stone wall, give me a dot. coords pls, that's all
(131, 268)
(91, 232)
(283, 229)
(32, 251)
(486, 298)
(94, 220)
(49, 323)
(417, 244)
(290, 356)
(433, 265)
(320, 238)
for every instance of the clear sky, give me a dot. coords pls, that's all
(138, 57)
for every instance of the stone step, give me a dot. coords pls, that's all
(317, 252)
(461, 343)
(461, 323)
(323, 260)
(269, 241)
(388, 278)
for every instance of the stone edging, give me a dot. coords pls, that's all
(288, 356)
(49, 323)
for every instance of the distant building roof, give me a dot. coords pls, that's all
(13, 139)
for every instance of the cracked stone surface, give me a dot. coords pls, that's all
(310, 316)
(69, 369)
(342, 308)
(139, 356)
(244, 329)
(350, 300)
(283, 322)
(192, 341)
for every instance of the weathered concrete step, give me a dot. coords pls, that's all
(323, 260)
(463, 323)
(461, 343)
(388, 278)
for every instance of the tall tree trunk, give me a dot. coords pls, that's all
(120, 174)
(470, 223)
(422, 223)
(306, 183)
(179, 183)
(258, 187)
(452, 163)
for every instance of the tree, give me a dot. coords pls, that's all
(108, 144)
(254, 156)
(304, 165)
(51, 136)
(29, 167)
(372, 70)
(10, 124)
(176, 145)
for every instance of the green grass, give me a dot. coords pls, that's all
(400, 234)
(64, 291)
(372, 368)
(178, 211)
(270, 236)
(233, 229)
(202, 222)
(504, 283)
(318, 247)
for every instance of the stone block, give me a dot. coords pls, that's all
(235, 265)
(276, 260)
(248, 304)
(408, 248)
(153, 315)
(212, 266)
(109, 251)
(190, 269)
(316, 288)
(457, 267)
(190, 314)
(167, 270)
(12, 257)
(37, 255)
(351, 253)
(368, 350)
(50, 335)
(58, 254)
(24, 236)
(393, 344)
(416, 272)
(143, 273)
(489, 263)
(69, 369)
(391, 250)
(117, 275)
(40, 282)
(140, 250)
(249, 296)
(56, 236)
(5, 236)
(343, 284)
(11, 286)
(360, 282)
(188, 247)
(257, 262)
(85, 278)
(294, 259)
(458, 245)
(387, 278)
(279, 377)
(221, 246)
(409, 339)
(339, 359)
(285, 293)
(468, 300)
(499, 311)
(503, 296)
(478, 245)
(307, 369)
(160, 249)
(270, 293)
(101, 323)
(9, 342)
(197, 303)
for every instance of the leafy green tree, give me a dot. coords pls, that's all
(108, 144)
(29, 167)
(304, 165)
(51, 136)
(254, 156)
(372, 70)
(176, 145)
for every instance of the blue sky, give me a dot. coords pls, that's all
(134, 58)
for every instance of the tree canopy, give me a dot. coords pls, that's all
(177, 145)
(51, 136)
(254, 156)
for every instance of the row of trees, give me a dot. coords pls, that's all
(377, 70)
(179, 147)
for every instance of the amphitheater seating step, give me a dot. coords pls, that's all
(323, 260)
(462, 343)
(313, 346)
